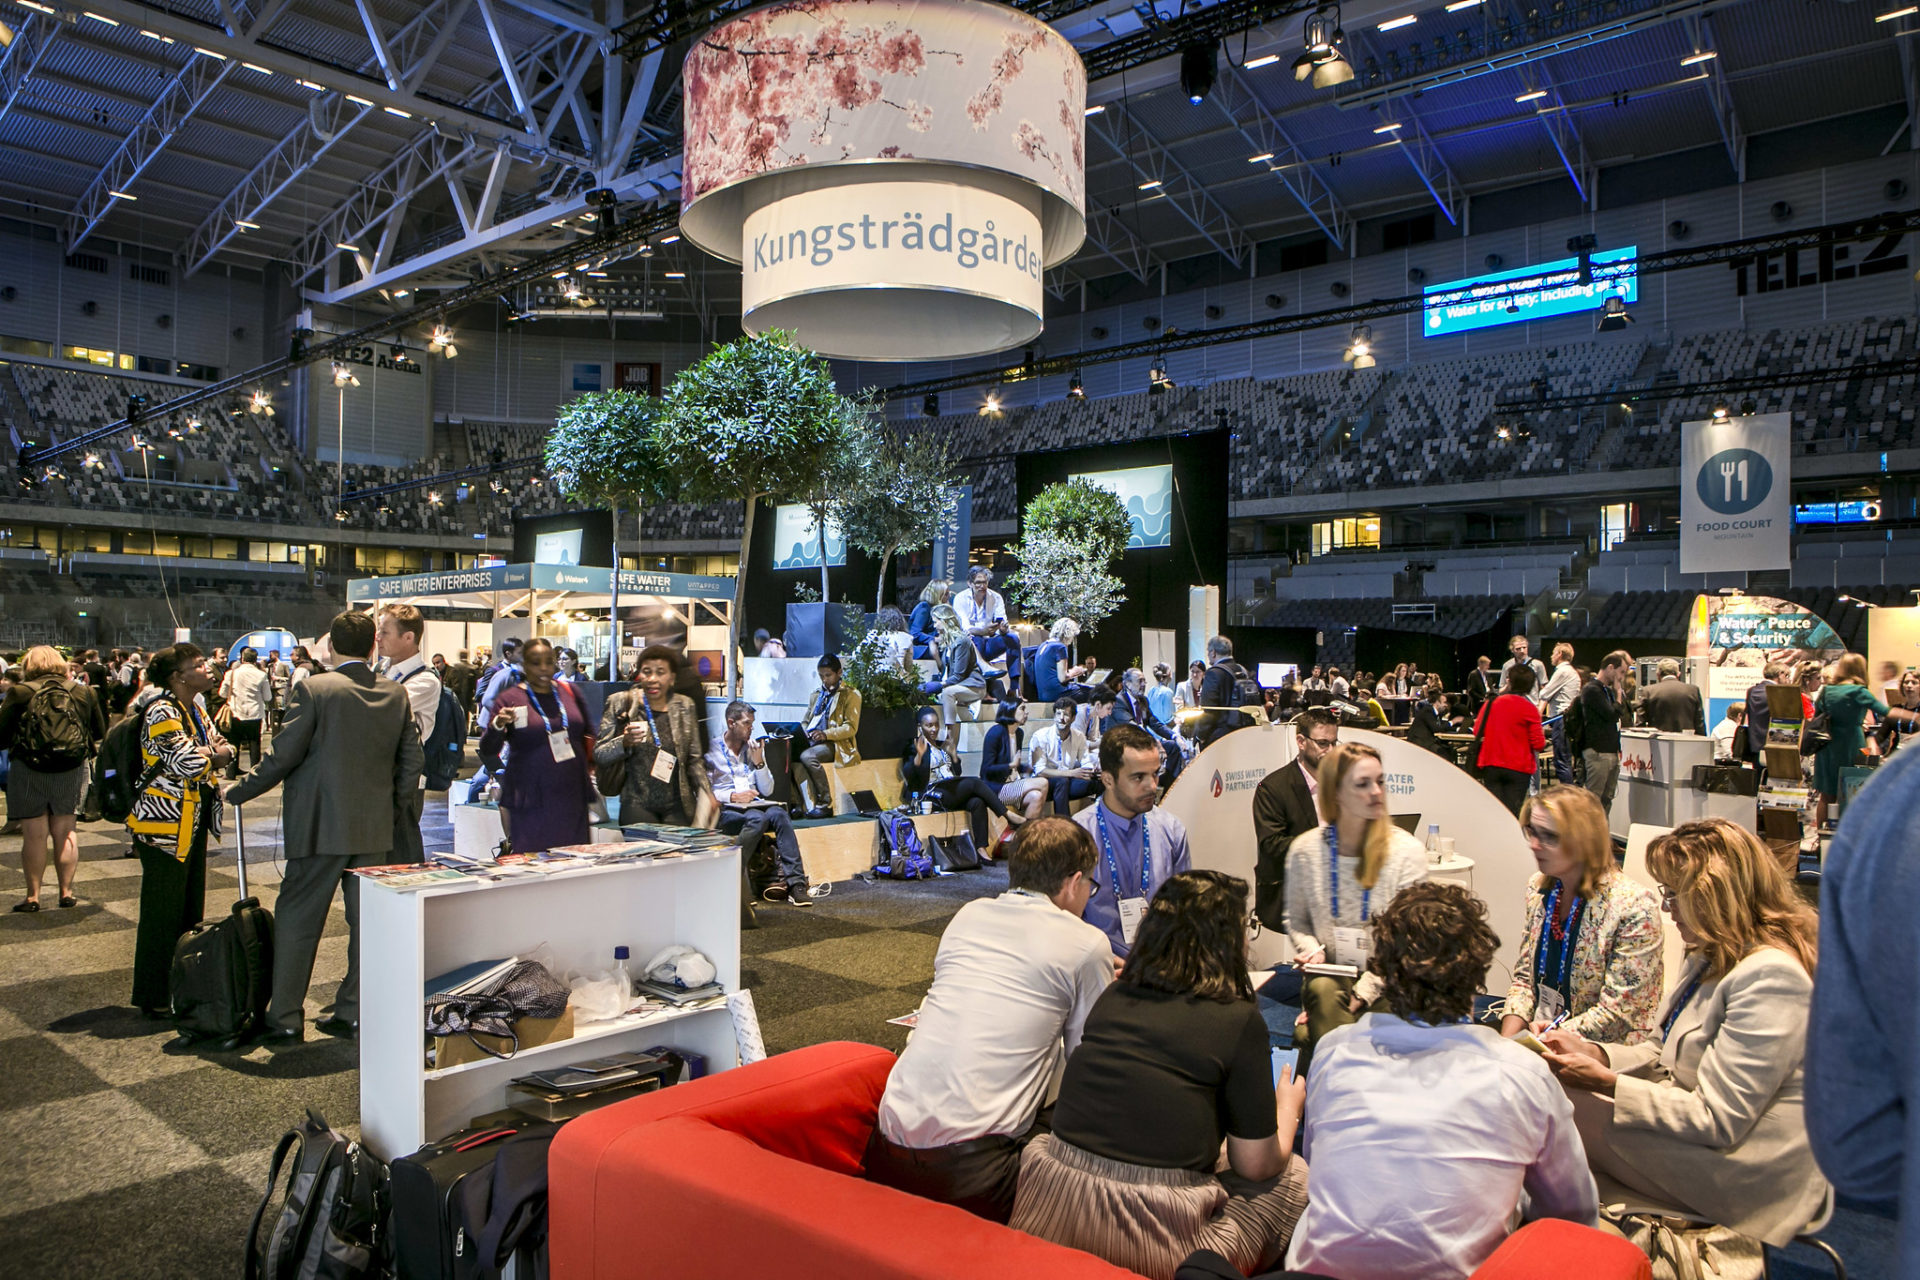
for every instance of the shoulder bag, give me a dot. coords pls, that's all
(611, 779)
(1682, 1249)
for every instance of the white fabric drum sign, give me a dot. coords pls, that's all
(929, 248)
(1214, 798)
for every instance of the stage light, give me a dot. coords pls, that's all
(1322, 61)
(930, 405)
(1159, 382)
(1199, 64)
(1720, 413)
(1613, 316)
(442, 342)
(1075, 391)
(343, 375)
(1359, 352)
(260, 404)
(991, 408)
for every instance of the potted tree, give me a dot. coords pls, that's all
(889, 694)
(1071, 535)
(909, 491)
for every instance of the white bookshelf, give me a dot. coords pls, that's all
(408, 936)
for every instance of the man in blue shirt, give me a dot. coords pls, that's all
(1140, 845)
(1863, 1039)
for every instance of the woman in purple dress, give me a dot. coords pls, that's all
(546, 782)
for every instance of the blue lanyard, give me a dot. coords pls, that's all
(1333, 878)
(1113, 865)
(1680, 1005)
(559, 701)
(647, 711)
(1566, 942)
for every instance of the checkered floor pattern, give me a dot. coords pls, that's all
(127, 1159)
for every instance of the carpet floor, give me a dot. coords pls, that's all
(130, 1160)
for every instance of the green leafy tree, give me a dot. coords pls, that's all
(603, 451)
(909, 491)
(847, 467)
(755, 419)
(1072, 534)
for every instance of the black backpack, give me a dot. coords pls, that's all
(1574, 721)
(446, 746)
(1246, 693)
(52, 734)
(118, 778)
(333, 1210)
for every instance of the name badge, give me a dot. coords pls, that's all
(1351, 944)
(662, 770)
(1132, 912)
(561, 745)
(1549, 1004)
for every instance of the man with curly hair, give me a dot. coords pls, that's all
(1423, 1115)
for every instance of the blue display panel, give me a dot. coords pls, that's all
(1858, 511)
(1147, 493)
(796, 546)
(1535, 293)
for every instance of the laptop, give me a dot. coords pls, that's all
(1099, 675)
(782, 728)
(1407, 822)
(865, 803)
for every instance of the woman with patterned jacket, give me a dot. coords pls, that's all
(1591, 957)
(176, 808)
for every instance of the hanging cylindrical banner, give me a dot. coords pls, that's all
(893, 176)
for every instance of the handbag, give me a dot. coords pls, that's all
(611, 778)
(527, 990)
(1472, 765)
(1682, 1249)
(1818, 731)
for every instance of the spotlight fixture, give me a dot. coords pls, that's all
(260, 404)
(1199, 64)
(1748, 408)
(1159, 382)
(343, 375)
(1614, 316)
(136, 408)
(991, 409)
(1321, 61)
(1075, 391)
(1720, 413)
(1359, 352)
(442, 342)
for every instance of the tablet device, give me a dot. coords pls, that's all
(1288, 1058)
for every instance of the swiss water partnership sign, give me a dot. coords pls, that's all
(1736, 510)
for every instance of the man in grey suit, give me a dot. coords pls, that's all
(349, 754)
(1672, 705)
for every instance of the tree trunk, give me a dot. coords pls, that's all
(613, 605)
(880, 592)
(820, 541)
(739, 601)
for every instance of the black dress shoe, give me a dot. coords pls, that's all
(819, 811)
(282, 1035)
(345, 1028)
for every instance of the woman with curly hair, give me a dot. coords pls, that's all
(1172, 1060)
(1709, 1117)
(1465, 1127)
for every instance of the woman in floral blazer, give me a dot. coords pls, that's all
(1592, 950)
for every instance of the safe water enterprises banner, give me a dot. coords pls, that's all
(1736, 508)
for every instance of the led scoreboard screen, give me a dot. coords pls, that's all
(1529, 293)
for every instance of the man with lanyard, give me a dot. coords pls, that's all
(398, 635)
(1518, 647)
(1140, 845)
(500, 677)
(1131, 708)
(278, 675)
(1600, 713)
(742, 783)
(819, 729)
(1561, 690)
(1059, 754)
(983, 614)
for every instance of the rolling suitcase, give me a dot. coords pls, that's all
(430, 1242)
(223, 969)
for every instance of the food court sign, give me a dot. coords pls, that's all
(893, 176)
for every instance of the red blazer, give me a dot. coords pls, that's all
(1511, 734)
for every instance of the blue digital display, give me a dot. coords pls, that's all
(1859, 511)
(1529, 293)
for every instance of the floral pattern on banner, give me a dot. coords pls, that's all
(820, 81)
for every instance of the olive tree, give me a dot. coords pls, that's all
(909, 491)
(1071, 535)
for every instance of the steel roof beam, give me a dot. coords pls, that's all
(1242, 105)
(1162, 175)
(1720, 98)
(287, 62)
(21, 58)
(172, 108)
(560, 15)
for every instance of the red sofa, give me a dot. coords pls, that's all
(756, 1173)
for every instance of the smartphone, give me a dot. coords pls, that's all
(1289, 1058)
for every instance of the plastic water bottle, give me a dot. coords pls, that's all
(626, 976)
(1433, 844)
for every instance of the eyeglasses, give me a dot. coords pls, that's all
(1254, 927)
(1540, 835)
(1325, 744)
(1668, 898)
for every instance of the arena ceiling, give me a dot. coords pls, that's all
(385, 146)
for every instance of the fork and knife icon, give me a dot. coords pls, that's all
(1731, 472)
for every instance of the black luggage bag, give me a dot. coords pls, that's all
(430, 1241)
(223, 969)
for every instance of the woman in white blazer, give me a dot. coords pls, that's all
(1708, 1117)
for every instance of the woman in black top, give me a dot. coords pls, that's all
(1020, 788)
(1428, 721)
(1173, 1060)
(930, 768)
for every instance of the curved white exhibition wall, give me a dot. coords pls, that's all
(1214, 798)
